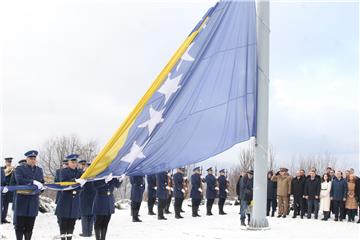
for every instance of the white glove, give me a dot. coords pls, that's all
(80, 181)
(185, 178)
(226, 190)
(200, 190)
(38, 184)
(155, 187)
(169, 174)
(121, 178)
(5, 190)
(183, 190)
(171, 189)
(216, 188)
(109, 178)
(167, 187)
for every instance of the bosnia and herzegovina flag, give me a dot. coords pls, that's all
(202, 103)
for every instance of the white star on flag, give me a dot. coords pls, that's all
(155, 119)
(135, 152)
(186, 56)
(170, 87)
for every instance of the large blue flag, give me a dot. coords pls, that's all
(201, 104)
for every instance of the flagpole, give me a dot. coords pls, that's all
(258, 219)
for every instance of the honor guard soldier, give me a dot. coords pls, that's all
(104, 205)
(13, 183)
(161, 193)
(87, 197)
(27, 202)
(170, 195)
(82, 165)
(222, 191)
(8, 196)
(210, 180)
(151, 192)
(196, 191)
(179, 191)
(68, 206)
(137, 191)
(57, 178)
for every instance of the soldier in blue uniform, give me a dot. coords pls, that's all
(223, 183)
(211, 183)
(151, 192)
(13, 183)
(57, 177)
(8, 196)
(162, 192)
(82, 164)
(137, 191)
(196, 191)
(27, 202)
(104, 205)
(68, 206)
(179, 191)
(170, 195)
(87, 197)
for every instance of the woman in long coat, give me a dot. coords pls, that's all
(351, 204)
(325, 197)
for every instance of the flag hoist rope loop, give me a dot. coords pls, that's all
(109, 152)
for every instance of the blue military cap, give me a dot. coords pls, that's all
(65, 161)
(222, 171)
(196, 169)
(72, 157)
(31, 153)
(22, 161)
(8, 159)
(82, 161)
(209, 169)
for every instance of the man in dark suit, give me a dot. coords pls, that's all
(162, 192)
(223, 183)
(137, 190)
(179, 191)
(196, 191)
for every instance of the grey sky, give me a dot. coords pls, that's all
(80, 66)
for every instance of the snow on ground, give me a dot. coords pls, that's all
(205, 227)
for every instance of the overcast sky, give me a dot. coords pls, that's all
(81, 66)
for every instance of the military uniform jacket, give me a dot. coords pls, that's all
(195, 185)
(210, 186)
(57, 179)
(137, 188)
(161, 183)
(68, 205)
(178, 185)
(9, 195)
(104, 203)
(27, 204)
(222, 187)
(151, 184)
(87, 197)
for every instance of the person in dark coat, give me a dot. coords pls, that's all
(196, 191)
(104, 205)
(162, 192)
(170, 195)
(223, 183)
(68, 206)
(151, 192)
(297, 190)
(13, 183)
(137, 190)
(87, 197)
(27, 202)
(8, 196)
(338, 194)
(57, 177)
(312, 194)
(246, 195)
(2, 175)
(178, 191)
(271, 195)
(211, 190)
(357, 194)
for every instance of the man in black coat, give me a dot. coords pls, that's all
(312, 194)
(151, 192)
(246, 195)
(271, 195)
(297, 190)
(357, 194)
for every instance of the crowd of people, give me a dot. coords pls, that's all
(93, 202)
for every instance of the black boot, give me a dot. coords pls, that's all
(28, 235)
(243, 223)
(273, 213)
(103, 233)
(136, 215)
(248, 215)
(19, 234)
(97, 233)
(194, 213)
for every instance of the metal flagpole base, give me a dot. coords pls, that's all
(258, 225)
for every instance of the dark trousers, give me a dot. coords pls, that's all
(339, 209)
(67, 226)
(195, 206)
(151, 203)
(101, 225)
(299, 206)
(221, 205)
(271, 204)
(135, 208)
(351, 214)
(313, 205)
(87, 223)
(209, 204)
(168, 203)
(178, 205)
(4, 208)
(161, 207)
(24, 227)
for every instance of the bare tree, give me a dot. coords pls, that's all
(320, 162)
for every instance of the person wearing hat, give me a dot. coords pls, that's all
(27, 202)
(151, 192)
(196, 191)
(137, 191)
(8, 196)
(161, 193)
(170, 190)
(104, 205)
(283, 191)
(82, 165)
(246, 195)
(68, 205)
(178, 191)
(223, 184)
(211, 185)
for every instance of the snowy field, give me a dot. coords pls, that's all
(212, 227)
